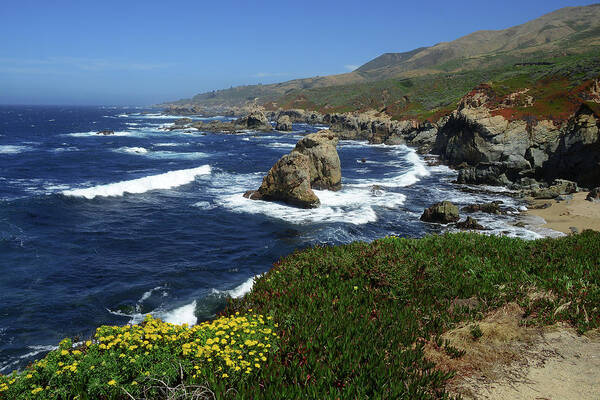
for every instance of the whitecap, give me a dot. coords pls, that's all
(95, 134)
(166, 180)
(204, 205)
(133, 150)
(13, 149)
(354, 205)
(242, 289)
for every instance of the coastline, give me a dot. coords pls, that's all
(561, 216)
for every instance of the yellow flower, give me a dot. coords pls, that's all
(112, 382)
(64, 352)
(225, 376)
(36, 390)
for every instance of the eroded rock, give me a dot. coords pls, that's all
(444, 213)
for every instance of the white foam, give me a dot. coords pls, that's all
(280, 145)
(133, 150)
(170, 144)
(95, 134)
(182, 315)
(242, 289)
(37, 350)
(354, 205)
(205, 205)
(13, 149)
(410, 177)
(167, 180)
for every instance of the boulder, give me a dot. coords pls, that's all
(183, 121)
(256, 120)
(284, 123)
(559, 187)
(325, 167)
(444, 213)
(469, 223)
(106, 132)
(288, 181)
(490, 208)
(484, 174)
(564, 186)
(594, 195)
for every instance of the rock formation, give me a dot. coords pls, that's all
(470, 224)
(314, 163)
(288, 181)
(325, 167)
(443, 213)
(255, 120)
(594, 195)
(106, 132)
(490, 208)
(284, 123)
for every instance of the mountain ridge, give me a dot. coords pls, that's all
(569, 31)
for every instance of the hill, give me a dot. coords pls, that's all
(560, 37)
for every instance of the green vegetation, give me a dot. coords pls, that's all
(432, 96)
(150, 360)
(353, 320)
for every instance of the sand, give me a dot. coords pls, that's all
(562, 216)
(514, 361)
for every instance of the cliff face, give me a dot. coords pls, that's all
(500, 137)
(482, 131)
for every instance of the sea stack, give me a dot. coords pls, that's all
(313, 164)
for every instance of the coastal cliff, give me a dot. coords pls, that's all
(504, 133)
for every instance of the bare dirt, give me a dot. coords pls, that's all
(513, 361)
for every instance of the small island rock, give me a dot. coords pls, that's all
(444, 213)
(288, 181)
(284, 123)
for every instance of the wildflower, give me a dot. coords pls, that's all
(112, 382)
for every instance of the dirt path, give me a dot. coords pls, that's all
(513, 362)
(568, 368)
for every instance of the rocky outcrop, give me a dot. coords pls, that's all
(184, 109)
(288, 181)
(577, 154)
(499, 149)
(489, 208)
(106, 132)
(593, 195)
(313, 164)
(325, 167)
(559, 187)
(443, 213)
(284, 123)
(255, 121)
(470, 224)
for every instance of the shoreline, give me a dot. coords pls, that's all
(561, 216)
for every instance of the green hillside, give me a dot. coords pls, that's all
(434, 78)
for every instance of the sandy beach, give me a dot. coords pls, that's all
(562, 216)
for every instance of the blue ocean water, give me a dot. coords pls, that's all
(104, 229)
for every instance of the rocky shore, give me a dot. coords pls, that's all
(541, 158)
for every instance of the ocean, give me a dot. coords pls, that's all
(104, 229)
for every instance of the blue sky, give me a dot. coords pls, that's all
(144, 52)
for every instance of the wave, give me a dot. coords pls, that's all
(14, 149)
(242, 289)
(354, 205)
(238, 291)
(167, 180)
(162, 154)
(133, 150)
(95, 134)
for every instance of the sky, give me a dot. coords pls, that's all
(142, 52)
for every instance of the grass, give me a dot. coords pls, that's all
(353, 320)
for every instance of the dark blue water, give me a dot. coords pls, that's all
(73, 258)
